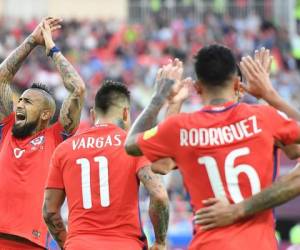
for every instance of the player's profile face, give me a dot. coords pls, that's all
(28, 113)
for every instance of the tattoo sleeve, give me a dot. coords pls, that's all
(283, 190)
(146, 119)
(159, 203)
(53, 201)
(57, 228)
(8, 69)
(173, 108)
(71, 108)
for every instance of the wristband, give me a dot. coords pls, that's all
(52, 51)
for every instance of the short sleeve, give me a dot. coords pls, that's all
(160, 141)
(141, 162)
(55, 176)
(283, 128)
(6, 124)
(59, 134)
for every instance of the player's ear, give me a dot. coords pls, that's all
(125, 114)
(198, 87)
(46, 115)
(93, 115)
(237, 84)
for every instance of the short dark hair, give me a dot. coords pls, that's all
(110, 94)
(41, 86)
(214, 64)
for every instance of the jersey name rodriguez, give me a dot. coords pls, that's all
(221, 135)
(96, 142)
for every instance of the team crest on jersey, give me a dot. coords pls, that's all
(150, 133)
(38, 141)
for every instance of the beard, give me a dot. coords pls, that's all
(25, 130)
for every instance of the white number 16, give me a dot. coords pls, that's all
(231, 175)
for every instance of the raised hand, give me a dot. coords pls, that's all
(54, 24)
(264, 57)
(168, 81)
(257, 76)
(184, 92)
(46, 32)
(157, 246)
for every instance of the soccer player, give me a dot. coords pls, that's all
(223, 150)
(101, 182)
(27, 141)
(219, 212)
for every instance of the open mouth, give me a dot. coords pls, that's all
(20, 117)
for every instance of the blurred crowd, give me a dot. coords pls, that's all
(132, 53)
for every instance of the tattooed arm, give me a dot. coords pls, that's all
(8, 69)
(221, 213)
(13, 62)
(159, 204)
(165, 88)
(54, 198)
(71, 108)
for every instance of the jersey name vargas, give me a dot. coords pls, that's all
(221, 135)
(96, 142)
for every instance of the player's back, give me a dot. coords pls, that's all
(225, 151)
(101, 186)
(229, 151)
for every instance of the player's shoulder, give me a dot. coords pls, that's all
(258, 109)
(178, 118)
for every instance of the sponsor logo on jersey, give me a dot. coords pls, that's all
(36, 233)
(18, 152)
(150, 133)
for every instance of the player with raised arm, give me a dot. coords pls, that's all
(101, 182)
(219, 212)
(27, 141)
(216, 148)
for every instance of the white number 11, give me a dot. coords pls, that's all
(86, 181)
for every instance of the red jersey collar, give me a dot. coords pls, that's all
(220, 107)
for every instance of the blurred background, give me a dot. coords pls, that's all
(128, 40)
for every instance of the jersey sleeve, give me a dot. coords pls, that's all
(59, 134)
(160, 141)
(6, 124)
(55, 176)
(284, 129)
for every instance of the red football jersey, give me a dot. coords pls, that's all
(24, 170)
(225, 151)
(101, 185)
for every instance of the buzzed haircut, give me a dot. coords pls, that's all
(111, 94)
(214, 65)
